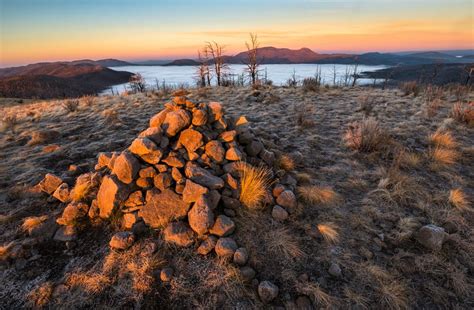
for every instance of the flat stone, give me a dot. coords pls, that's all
(225, 247)
(122, 240)
(203, 176)
(192, 191)
(207, 245)
(147, 150)
(223, 226)
(178, 233)
(162, 208)
(62, 193)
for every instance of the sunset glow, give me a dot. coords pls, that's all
(33, 31)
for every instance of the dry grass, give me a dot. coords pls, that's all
(399, 188)
(281, 242)
(406, 159)
(411, 87)
(88, 100)
(366, 135)
(254, 184)
(313, 194)
(459, 199)
(5, 250)
(463, 113)
(443, 156)
(329, 232)
(367, 104)
(32, 222)
(286, 162)
(304, 115)
(315, 293)
(71, 105)
(442, 139)
(405, 228)
(9, 122)
(356, 298)
(40, 296)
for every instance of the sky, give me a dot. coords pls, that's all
(50, 30)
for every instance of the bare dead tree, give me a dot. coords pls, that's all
(215, 51)
(252, 60)
(202, 71)
(137, 83)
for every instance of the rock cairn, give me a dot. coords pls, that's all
(181, 175)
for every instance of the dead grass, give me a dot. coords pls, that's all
(281, 242)
(329, 232)
(5, 250)
(286, 162)
(443, 157)
(315, 293)
(442, 139)
(399, 188)
(410, 87)
(40, 296)
(406, 159)
(254, 184)
(459, 199)
(463, 113)
(313, 194)
(366, 104)
(32, 222)
(71, 105)
(80, 191)
(9, 122)
(366, 135)
(405, 228)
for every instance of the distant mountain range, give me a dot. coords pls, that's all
(60, 79)
(273, 55)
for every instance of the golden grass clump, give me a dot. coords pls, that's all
(80, 191)
(442, 139)
(32, 222)
(282, 242)
(406, 159)
(463, 113)
(254, 183)
(313, 194)
(286, 163)
(41, 295)
(366, 135)
(459, 199)
(329, 232)
(444, 156)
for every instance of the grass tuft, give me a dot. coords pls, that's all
(286, 163)
(32, 222)
(443, 156)
(459, 200)
(329, 232)
(366, 135)
(442, 139)
(313, 194)
(282, 242)
(254, 183)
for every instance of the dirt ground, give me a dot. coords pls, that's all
(362, 216)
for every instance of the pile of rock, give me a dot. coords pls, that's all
(181, 175)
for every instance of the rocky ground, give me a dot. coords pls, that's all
(384, 182)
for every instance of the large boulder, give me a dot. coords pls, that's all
(201, 217)
(203, 176)
(163, 207)
(126, 167)
(111, 194)
(176, 121)
(178, 233)
(191, 139)
(146, 150)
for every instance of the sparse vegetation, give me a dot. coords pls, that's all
(313, 194)
(71, 105)
(411, 87)
(459, 200)
(329, 232)
(463, 113)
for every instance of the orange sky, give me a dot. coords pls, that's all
(37, 30)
